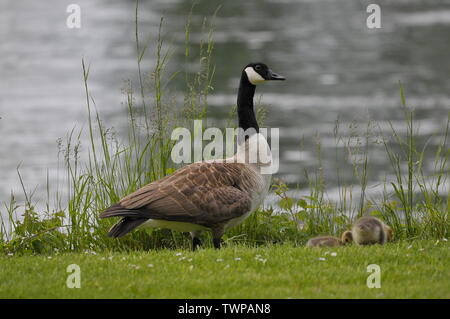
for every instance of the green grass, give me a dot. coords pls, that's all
(37, 244)
(419, 269)
(415, 203)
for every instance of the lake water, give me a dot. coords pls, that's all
(336, 68)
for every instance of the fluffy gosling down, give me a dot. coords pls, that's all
(329, 241)
(369, 230)
(347, 237)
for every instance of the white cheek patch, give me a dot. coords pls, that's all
(253, 76)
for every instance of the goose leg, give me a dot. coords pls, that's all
(216, 242)
(195, 240)
(217, 233)
(195, 243)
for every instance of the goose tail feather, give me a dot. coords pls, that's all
(118, 210)
(131, 218)
(124, 226)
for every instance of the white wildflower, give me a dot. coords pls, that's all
(134, 266)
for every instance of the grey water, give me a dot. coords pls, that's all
(336, 68)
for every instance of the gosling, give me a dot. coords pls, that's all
(347, 237)
(329, 241)
(369, 230)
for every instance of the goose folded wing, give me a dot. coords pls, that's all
(201, 193)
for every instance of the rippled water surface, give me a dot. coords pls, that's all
(336, 69)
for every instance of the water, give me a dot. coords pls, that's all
(335, 66)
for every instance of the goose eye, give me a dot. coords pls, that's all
(258, 67)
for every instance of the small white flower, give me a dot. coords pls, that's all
(178, 254)
(150, 265)
(334, 254)
(49, 257)
(219, 260)
(181, 258)
(444, 239)
(421, 249)
(10, 254)
(110, 257)
(237, 258)
(134, 266)
(190, 259)
(410, 246)
(322, 259)
(191, 267)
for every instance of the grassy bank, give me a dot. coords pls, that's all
(408, 270)
(412, 201)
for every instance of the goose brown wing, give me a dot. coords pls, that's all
(203, 193)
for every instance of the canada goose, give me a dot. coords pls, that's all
(324, 241)
(210, 195)
(369, 230)
(347, 237)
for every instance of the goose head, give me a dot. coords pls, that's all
(347, 237)
(257, 73)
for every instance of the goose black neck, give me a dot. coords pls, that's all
(245, 108)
